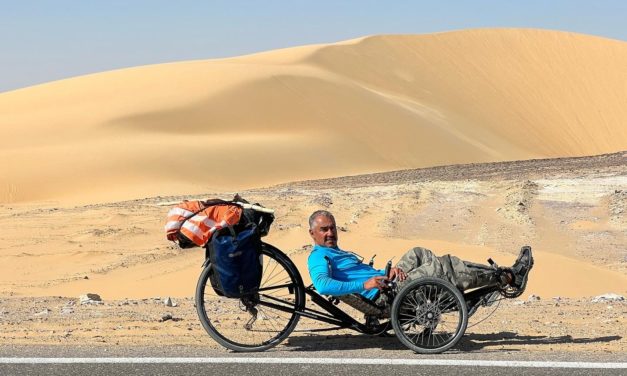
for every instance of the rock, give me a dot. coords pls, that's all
(322, 200)
(45, 312)
(166, 317)
(609, 297)
(168, 302)
(90, 299)
(533, 298)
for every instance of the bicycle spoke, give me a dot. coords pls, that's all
(229, 320)
(269, 274)
(428, 315)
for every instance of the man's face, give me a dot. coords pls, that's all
(324, 232)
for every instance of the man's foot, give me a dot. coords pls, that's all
(520, 269)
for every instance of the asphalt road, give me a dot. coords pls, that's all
(249, 363)
(277, 370)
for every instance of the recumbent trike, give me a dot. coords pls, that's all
(428, 315)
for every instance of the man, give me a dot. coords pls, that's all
(337, 272)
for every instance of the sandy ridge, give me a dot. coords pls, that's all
(529, 169)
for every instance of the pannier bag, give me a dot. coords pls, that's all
(231, 233)
(236, 262)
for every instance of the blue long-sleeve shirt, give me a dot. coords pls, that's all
(337, 272)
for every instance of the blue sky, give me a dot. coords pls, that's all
(47, 40)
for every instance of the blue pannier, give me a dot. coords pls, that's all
(236, 261)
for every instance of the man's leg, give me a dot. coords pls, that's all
(421, 262)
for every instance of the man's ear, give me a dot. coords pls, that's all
(311, 232)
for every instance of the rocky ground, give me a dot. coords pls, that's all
(554, 324)
(573, 212)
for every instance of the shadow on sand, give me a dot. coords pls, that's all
(469, 343)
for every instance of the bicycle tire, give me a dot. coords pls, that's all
(429, 315)
(281, 285)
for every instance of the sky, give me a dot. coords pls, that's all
(47, 40)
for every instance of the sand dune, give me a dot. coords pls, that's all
(371, 104)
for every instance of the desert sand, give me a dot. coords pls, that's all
(377, 103)
(92, 165)
(571, 211)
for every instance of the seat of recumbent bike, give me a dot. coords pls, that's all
(362, 304)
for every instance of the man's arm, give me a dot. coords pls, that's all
(319, 270)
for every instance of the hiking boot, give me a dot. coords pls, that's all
(521, 268)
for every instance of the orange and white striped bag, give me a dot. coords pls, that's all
(198, 220)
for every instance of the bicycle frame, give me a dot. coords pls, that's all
(334, 315)
(342, 320)
(338, 317)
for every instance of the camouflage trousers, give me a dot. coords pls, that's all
(421, 262)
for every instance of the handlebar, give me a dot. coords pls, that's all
(388, 269)
(389, 283)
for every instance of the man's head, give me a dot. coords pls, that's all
(322, 228)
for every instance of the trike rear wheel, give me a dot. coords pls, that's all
(429, 315)
(260, 320)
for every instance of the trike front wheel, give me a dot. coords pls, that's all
(429, 315)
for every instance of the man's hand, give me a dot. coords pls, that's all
(397, 273)
(377, 282)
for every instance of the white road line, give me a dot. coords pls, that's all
(364, 361)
